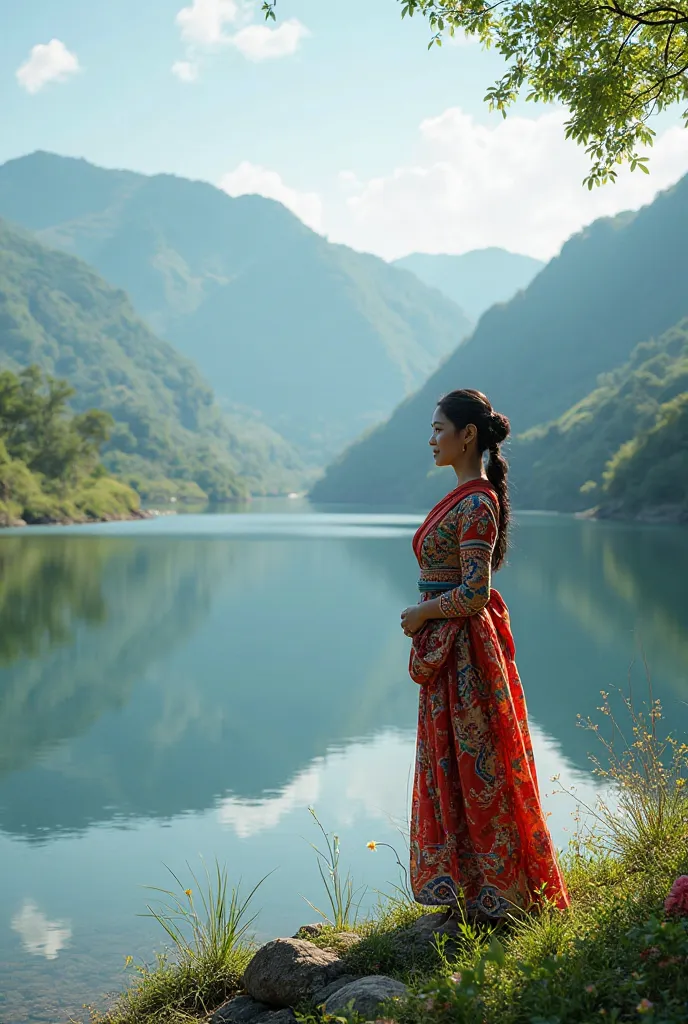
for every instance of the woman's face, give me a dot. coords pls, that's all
(446, 441)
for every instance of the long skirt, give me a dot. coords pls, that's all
(478, 831)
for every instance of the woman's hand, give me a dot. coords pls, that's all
(413, 618)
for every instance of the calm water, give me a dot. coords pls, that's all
(187, 687)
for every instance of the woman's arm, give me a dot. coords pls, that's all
(477, 537)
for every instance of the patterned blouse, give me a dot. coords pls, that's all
(460, 548)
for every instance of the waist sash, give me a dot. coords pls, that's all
(435, 587)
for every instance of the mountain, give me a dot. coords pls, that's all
(564, 464)
(614, 285)
(57, 313)
(319, 340)
(474, 280)
(648, 476)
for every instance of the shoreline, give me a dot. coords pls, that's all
(655, 515)
(110, 518)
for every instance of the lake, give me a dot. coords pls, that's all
(183, 689)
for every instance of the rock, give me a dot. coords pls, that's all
(367, 994)
(324, 993)
(286, 1016)
(422, 932)
(286, 971)
(309, 929)
(239, 1010)
(346, 939)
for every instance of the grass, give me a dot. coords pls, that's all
(615, 956)
(340, 891)
(211, 948)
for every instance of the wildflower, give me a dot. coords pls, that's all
(591, 989)
(128, 960)
(456, 978)
(644, 1006)
(651, 951)
(188, 892)
(677, 900)
(372, 845)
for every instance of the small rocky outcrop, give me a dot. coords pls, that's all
(422, 932)
(286, 972)
(366, 995)
(245, 1010)
(240, 1010)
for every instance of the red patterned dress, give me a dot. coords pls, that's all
(478, 830)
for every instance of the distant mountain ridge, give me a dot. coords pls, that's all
(616, 284)
(477, 279)
(320, 340)
(58, 313)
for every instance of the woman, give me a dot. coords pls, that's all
(478, 831)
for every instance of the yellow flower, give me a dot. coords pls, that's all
(188, 892)
(372, 845)
(128, 960)
(644, 1006)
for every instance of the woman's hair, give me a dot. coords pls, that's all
(468, 406)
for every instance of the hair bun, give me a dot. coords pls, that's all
(500, 428)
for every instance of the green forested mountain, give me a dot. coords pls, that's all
(648, 476)
(320, 340)
(57, 313)
(561, 465)
(618, 283)
(474, 280)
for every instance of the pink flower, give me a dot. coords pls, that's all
(644, 1006)
(677, 900)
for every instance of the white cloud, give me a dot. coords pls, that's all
(260, 42)
(203, 23)
(251, 179)
(39, 935)
(185, 70)
(213, 24)
(515, 183)
(48, 62)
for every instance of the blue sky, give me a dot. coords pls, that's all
(367, 135)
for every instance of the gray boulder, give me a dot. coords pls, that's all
(367, 994)
(240, 1010)
(286, 971)
(422, 932)
(323, 994)
(276, 1017)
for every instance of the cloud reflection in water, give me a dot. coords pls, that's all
(38, 934)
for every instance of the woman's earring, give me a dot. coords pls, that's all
(465, 446)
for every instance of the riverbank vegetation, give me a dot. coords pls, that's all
(50, 468)
(619, 954)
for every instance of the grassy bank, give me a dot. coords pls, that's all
(619, 954)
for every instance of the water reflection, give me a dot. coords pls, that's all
(40, 936)
(150, 677)
(194, 685)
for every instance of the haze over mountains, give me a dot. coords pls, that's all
(56, 312)
(619, 283)
(474, 280)
(319, 340)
